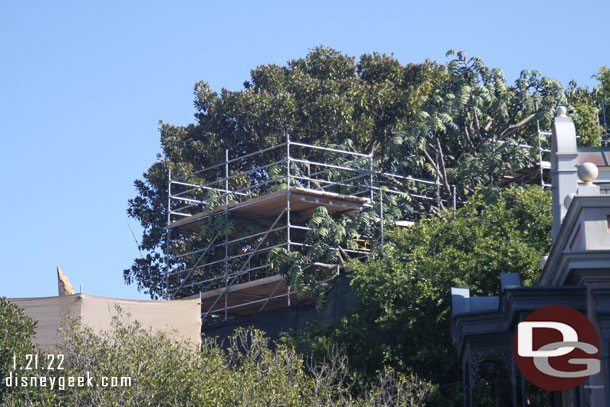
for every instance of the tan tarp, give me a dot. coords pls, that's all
(183, 316)
(48, 311)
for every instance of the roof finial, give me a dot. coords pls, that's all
(588, 173)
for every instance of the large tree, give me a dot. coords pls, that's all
(459, 121)
(468, 132)
(324, 98)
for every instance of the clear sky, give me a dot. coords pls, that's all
(83, 85)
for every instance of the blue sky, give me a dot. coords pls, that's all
(83, 86)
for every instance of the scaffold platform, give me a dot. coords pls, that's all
(303, 201)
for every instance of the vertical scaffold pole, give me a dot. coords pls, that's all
(438, 192)
(381, 222)
(454, 200)
(538, 133)
(226, 235)
(168, 232)
(371, 176)
(287, 191)
(308, 176)
(288, 203)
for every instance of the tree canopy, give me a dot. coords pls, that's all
(459, 121)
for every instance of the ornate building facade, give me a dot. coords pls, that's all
(576, 273)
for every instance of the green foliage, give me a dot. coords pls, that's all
(16, 333)
(585, 111)
(308, 271)
(585, 108)
(469, 127)
(603, 76)
(328, 244)
(246, 372)
(149, 207)
(459, 121)
(325, 98)
(403, 320)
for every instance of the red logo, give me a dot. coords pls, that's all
(556, 348)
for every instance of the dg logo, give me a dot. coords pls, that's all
(556, 348)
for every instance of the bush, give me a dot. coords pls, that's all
(16, 332)
(245, 372)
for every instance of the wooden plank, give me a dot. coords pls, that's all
(247, 298)
(269, 205)
(243, 286)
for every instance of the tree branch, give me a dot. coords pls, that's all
(517, 125)
(443, 170)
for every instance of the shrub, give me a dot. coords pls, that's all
(16, 332)
(247, 371)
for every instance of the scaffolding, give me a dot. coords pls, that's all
(224, 220)
(538, 173)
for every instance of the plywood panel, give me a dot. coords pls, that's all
(248, 298)
(271, 205)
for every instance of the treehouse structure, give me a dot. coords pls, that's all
(225, 220)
